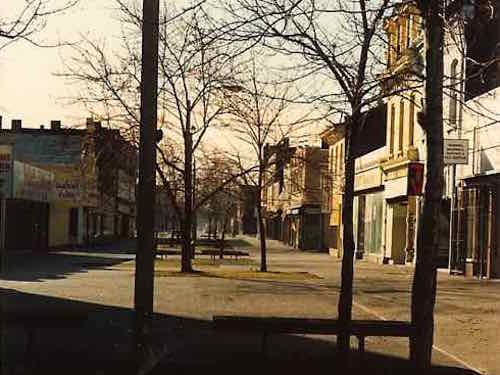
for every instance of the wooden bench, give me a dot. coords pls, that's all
(274, 325)
(214, 253)
(168, 241)
(31, 320)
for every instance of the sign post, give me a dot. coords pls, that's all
(455, 151)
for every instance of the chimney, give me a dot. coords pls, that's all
(55, 125)
(90, 124)
(16, 125)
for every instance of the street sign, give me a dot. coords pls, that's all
(456, 151)
(415, 179)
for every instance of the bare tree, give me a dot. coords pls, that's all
(347, 56)
(29, 20)
(193, 69)
(218, 189)
(259, 119)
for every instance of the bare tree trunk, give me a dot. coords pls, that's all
(424, 281)
(187, 245)
(345, 300)
(194, 212)
(261, 224)
(221, 254)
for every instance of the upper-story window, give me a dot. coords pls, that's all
(398, 39)
(401, 124)
(408, 30)
(415, 27)
(411, 127)
(391, 129)
(392, 53)
(341, 158)
(333, 161)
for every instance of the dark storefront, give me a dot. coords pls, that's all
(27, 226)
(476, 228)
(306, 228)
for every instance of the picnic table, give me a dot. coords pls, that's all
(231, 253)
(213, 253)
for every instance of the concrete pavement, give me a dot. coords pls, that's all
(466, 314)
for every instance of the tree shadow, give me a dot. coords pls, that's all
(103, 344)
(36, 267)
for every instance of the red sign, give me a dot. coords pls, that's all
(415, 178)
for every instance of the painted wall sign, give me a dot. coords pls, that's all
(45, 149)
(370, 178)
(456, 151)
(32, 183)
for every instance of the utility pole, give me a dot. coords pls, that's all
(144, 269)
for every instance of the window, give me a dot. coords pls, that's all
(391, 130)
(453, 94)
(337, 160)
(334, 161)
(389, 53)
(411, 128)
(341, 169)
(409, 21)
(398, 41)
(415, 27)
(401, 122)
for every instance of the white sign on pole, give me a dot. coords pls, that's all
(456, 151)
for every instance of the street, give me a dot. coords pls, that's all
(467, 311)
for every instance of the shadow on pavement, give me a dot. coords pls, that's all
(103, 345)
(36, 267)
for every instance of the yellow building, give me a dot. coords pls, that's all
(403, 167)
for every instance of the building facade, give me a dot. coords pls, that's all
(92, 191)
(473, 66)
(389, 180)
(296, 196)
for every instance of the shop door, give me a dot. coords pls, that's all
(398, 242)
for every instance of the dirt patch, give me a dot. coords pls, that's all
(242, 275)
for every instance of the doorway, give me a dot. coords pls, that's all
(396, 221)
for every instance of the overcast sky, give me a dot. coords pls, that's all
(28, 89)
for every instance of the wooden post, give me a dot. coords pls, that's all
(491, 234)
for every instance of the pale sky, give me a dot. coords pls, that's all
(28, 89)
